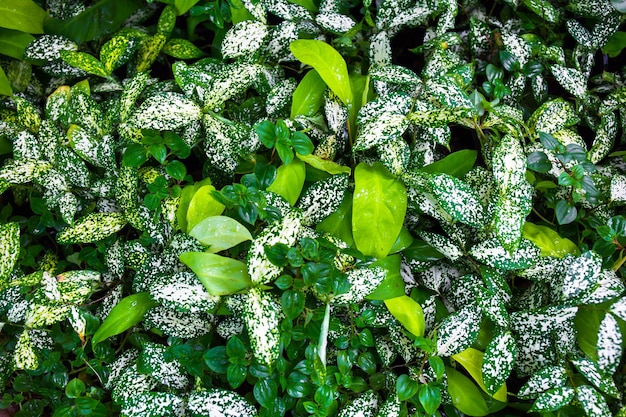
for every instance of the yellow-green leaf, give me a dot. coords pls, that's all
(23, 15)
(84, 61)
(472, 360)
(408, 312)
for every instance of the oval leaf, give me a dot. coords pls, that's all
(465, 395)
(408, 312)
(219, 275)
(220, 233)
(128, 312)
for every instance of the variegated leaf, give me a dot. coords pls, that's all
(458, 331)
(322, 199)
(365, 405)
(25, 354)
(47, 48)
(117, 51)
(24, 171)
(553, 116)
(618, 189)
(582, 275)
(262, 315)
(544, 9)
(592, 402)
(226, 142)
(392, 103)
(178, 324)
(92, 227)
(592, 372)
(363, 281)
(85, 62)
(183, 292)
(57, 105)
(618, 309)
(335, 22)
(9, 250)
(606, 133)
(395, 155)
(380, 49)
(442, 244)
(165, 111)
(168, 372)
(218, 402)
(448, 93)
(244, 39)
(132, 88)
(182, 49)
(395, 74)
(228, 82)
(384, 128)
(130, 383)
(153, 404)
(609, 344)
(553, 399)
(498, 361)
(548, 378)
(492, 253)
(492, 306)
(571, 79)
(27, 114)
(458, 199)
(148, 50)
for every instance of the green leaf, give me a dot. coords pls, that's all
(547, 378)
(617, 42)
(301, 143)
(378, 209)
(408, 312)
(219, 275)
(266, 130)
(393, 284)
(176, 170)
(9, 250)
(430, 398)
(92, 228)
(339, 223)
(104, 17)
(13, 43)
(202, 205)
(135, 155)
(565, 212)
(244, 39)
(126, 313)
(167, 20)
(457, 164)
(75, 388)
(289, 181)
(465, 395)
(182, 49)
(5, 84)
(220, 233)
(592, 372)
(553, 399)
(457, 198)
(330, 167)
(309, 95)
(538, 161)
(406, 387)
(592, 401)
(549, 241)
(23, 15)
(458, 331)
(328, 63)
(380, 131)
(182, 6)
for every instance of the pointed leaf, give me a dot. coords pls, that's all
(9, 250)
(92, 228)
(85, 62)
(182, 49)
(592, 402)
(498, 361)
(472, 360)
(219, 274)
(465, 395)
(262, 317)
(547, 378)
(458, 199)
(408, 312)
(596, 377)
(126, 313)
(553, 399)
(322, 198)
(220, 233)
(23, 15)
(244, 39)
(166, 111)
(309, 95)
(458, 331)
(609, 345)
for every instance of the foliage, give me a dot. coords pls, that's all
(324, 208)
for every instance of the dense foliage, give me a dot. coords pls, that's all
(312, 207)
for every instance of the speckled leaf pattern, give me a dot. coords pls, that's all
(48, 48)
(24, 171)
(498, 361)
(592, 402)
(395, 74)
(609, 344)
(363, 281)
(167, 372)
(116, 52)
(262, 315)
(392, 103)
(182, 49)
(618, 189)
(384, 128)
(218, 402)
(92, 227)
(571, 79)
(618, 309)
(334, 22)
(244, 39)
(153, 404)
(365, 405)
(322, 199)
(606, 134)
(582, 275)
(553, 399)
(592, 372)
(148, 50)
(178, 324)
(132, 88)
(166, 111)
(458, 199)
(492, 253)
(228, 82)
(553, 116)
(85, 62)
(183, 292)
(448, 93)
(458, 331)
(27, 114)
(9, 250)
(547, 378)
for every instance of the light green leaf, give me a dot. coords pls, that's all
(392, 285)
(408, 312)
(309, 95)
(220, 233)
(549, 241)
(465, 395)
(328, 63)
(220, 275)
(85, 62)
(23, 15)
(202, 205)
(9, 250)
(13, 42)
(330, 167)
(92, 228)
(472, 360)
(289, 180)
(182, 6)
(5, 84)
(378, 209)
(128, 312)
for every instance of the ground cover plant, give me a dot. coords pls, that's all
(301, 207)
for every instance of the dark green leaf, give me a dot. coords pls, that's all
(158, 151)
(217, 359)
(456, 164)
(538, 161)
(265, 392)
(299, 385)
(176, 170)
(565, 212)
(430, 398)
(509, 61)
(266, 131)
(135, 155)
(293, 303)
(236, 375)
(301, 143)
(75, 388)
(406, 387)
(548, 141)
